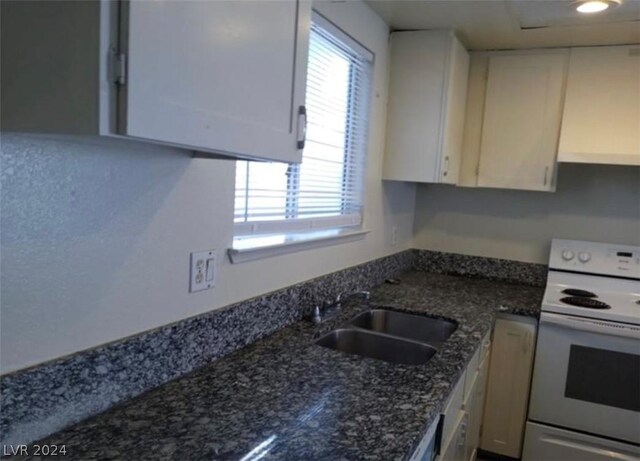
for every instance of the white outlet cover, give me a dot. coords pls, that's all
(202, 270)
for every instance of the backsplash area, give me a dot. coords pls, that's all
(477, 266)
(46, 398)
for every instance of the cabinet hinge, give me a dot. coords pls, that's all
(120, 68)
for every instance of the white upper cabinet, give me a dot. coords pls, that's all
(427, 97)
(218, 77)
(521, 123)
(601, 122)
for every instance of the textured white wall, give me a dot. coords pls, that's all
(592, 202)
(96, 236)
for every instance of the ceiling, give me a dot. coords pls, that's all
(505, 24)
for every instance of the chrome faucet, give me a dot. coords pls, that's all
(341, 297)
(331, 309)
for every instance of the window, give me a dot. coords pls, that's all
(325, 191)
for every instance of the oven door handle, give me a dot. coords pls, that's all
(592, 326)
(603, 452)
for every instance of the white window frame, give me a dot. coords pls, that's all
(258, 239)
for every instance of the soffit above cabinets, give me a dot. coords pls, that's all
(515, 24)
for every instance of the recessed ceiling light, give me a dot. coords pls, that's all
(594, 6)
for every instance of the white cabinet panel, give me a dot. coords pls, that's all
(463, 411)
(476, 409)
(474, 404)
(601, 121)
(508, 386)
(221, 77)
(455, 449)
(453, 411)
(427, 97)
(224, 75)
(476, 92)
(521, 121)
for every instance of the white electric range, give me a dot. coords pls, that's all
(585, 395)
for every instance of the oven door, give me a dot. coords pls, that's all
(587, 376)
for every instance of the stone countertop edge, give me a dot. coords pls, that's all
(290, 399)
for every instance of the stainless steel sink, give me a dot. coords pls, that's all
(377, 346)
(404, 325)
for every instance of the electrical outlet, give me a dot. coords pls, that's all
(394, 235)
(203, 270)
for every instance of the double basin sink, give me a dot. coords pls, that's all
(392, 336)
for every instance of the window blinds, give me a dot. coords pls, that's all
(326, 189)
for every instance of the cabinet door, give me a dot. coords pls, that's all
(508, 387)
(427, 95)
(601, 121)
(455, 449)
(217, 76)
(453, 130)
(521, 122)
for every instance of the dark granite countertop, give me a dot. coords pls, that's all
(285, 398)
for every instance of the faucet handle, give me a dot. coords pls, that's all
(316, 316)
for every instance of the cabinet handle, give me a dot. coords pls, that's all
(446, 166)
(302, 126)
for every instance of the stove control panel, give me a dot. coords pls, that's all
(595, 258)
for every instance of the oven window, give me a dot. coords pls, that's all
(605, 377)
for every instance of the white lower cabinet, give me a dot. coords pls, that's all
(460, 420)
(455, 448)
(488, 406)
(508, 385)
(453, 419)
(475, 408)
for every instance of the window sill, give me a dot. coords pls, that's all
(251, 248)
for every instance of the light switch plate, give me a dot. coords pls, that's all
(202, 275)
